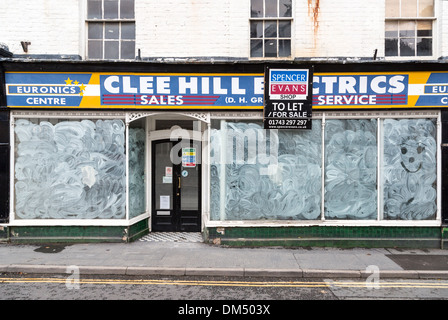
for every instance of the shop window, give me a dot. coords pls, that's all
(350, 169)
(69, 169)
(110, 29)
(270, 28)
(264, 174)
(409, 169)
(137, 191)
(371, 169)
(409, 28)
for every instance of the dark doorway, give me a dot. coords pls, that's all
(176, 186)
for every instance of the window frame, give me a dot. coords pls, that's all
(278, 19)
(104, 21)
(53, 118)
(416, 19)
(380, 116)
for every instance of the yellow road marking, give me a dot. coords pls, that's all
(302, 284)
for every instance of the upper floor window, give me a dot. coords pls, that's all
(270, 28)
(409, 28)
(111, 29)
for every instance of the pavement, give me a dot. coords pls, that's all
(193, 258)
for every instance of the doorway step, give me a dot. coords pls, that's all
(172, 237)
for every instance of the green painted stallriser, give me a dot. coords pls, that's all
(73, 234)
(338, 243)
(340, 237)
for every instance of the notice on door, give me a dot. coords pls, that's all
(189, 157)
(168, 171)
(164, 202)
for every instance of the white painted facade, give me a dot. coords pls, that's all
(210, 29)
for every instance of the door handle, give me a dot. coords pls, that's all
(179, 182)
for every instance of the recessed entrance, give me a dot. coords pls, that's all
(176, 185)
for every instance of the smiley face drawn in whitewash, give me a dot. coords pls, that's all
(409, 170)
(412, 155)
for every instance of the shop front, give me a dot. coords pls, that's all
(98, 154)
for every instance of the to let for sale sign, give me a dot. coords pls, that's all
(288, 98)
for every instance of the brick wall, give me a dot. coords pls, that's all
(208, 28)
(443, 29)
(343, 28)
(176, 28)
(52, 26)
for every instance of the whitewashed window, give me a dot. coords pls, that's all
(270, 28)
(265, 174)
(371, 169)
(137, 191)
(110, 29)
(69, 169)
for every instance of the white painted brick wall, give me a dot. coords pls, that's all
(207, 28)
(343, 28)
(443, 28)
(186, 28)
(52, 26)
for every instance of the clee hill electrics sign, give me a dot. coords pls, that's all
(288, 98)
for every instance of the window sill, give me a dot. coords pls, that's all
(409, 18)
(290, 58)
(111, 20)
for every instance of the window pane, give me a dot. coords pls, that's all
(424, 47)
(392, 8)
(162, 153)
(110, 9)
(94, 9)
(256, 48)
(409, 169)
(271, 8)
(189, 197)
(266, 174)
(424, 28)
(137, 192)
(270, 29)
(407, 47)
(128, 30)
(256, 29)
(391, 47)
(350, 169)
(127, 49)
(408, 8)
(426, 8)
(407, 28)
(391, 29)
(70, 170)
(284, 29)
(270, 48)
(256, 8)
(95, 50)
(111, 50)
(95, 30)
(285, 7)
(111, 30)
(284, 48)
(127, 9)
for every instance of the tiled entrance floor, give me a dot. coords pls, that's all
(173, 237)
